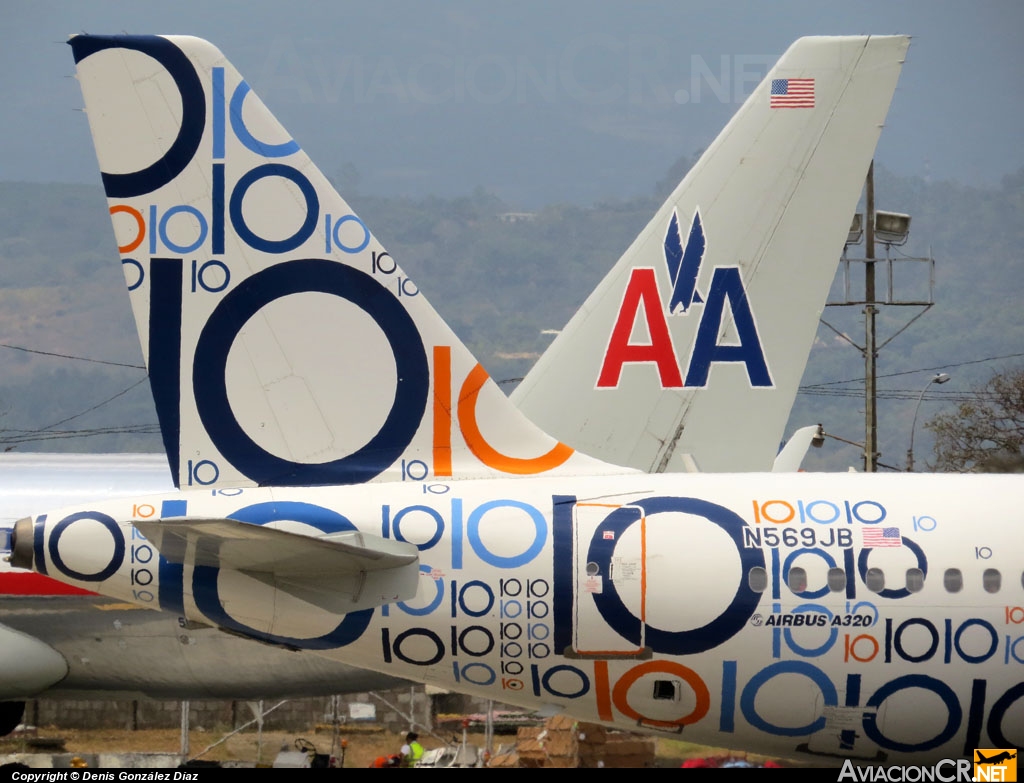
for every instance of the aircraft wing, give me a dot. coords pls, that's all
(338, 572)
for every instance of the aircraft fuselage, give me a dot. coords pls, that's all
(783, 614)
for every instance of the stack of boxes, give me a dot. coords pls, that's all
(565, 743)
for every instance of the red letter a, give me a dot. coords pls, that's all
(641, 291)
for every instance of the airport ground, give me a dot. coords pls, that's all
(363, 743)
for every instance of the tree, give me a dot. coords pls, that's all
(985, 434)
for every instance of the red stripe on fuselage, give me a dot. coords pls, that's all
(36, 584)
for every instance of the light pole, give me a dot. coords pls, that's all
(890, 229)
(941, 377)
(870, 311)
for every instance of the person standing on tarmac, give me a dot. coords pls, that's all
(411, 751)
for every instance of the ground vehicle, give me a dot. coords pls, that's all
(306, 756)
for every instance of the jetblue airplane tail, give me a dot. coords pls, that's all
(692, 348)
(284, 345)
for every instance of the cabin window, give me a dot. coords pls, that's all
(593, 569)
(875, 580)
(915, 580)
(666, 690)
(992, 580)
(757, 579)
(953, 580)
(797, 580)
(836, 580)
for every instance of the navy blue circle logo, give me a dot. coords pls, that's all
(193, 110)
(614, 610)
(295, 277)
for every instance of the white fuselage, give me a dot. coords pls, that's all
(841, 615)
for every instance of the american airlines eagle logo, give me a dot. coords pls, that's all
(684, 264)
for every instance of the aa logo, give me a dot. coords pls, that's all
(642, 312)
(995, 764)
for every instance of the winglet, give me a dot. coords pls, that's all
(793, 453)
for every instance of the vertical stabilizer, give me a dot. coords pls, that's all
(284, 345)
(696, 341)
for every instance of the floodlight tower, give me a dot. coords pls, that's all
(892, 230)
(870, 352)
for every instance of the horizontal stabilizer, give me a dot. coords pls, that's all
(340, 572)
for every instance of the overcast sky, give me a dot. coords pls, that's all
(539, 102)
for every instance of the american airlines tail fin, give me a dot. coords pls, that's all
(695, 342)
(284, 345)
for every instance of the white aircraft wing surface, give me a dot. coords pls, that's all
(341, 572)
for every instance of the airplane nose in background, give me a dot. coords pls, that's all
(21, 544)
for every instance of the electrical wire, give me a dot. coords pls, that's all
(911, 372)
(13, 438)
(71, 356)
(94, 407)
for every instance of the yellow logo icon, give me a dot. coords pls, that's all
(995, 764)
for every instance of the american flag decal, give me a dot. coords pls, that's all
(875, 537)
(792, 94)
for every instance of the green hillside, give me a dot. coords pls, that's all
(499, 284)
